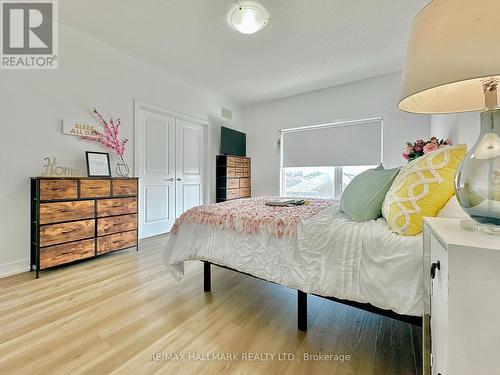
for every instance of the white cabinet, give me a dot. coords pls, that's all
(439, 305)
(462, 298)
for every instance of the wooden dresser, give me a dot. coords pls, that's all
(233, 177)
(79, 218)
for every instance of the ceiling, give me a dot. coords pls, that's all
(307, 45)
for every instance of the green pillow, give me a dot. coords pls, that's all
(363, 198)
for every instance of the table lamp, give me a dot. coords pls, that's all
(453, 65)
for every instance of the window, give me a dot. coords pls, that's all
(349, 172)
(320, 161)
(318, 182)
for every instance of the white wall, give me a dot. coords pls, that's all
(33, 104)
(368, 98)
(459, 127)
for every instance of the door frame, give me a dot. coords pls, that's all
(142, 105)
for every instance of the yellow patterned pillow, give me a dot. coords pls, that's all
(421, 189)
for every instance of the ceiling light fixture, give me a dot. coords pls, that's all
(248, 17)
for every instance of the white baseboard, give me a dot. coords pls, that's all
(9, 269)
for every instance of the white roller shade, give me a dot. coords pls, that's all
(353, 143)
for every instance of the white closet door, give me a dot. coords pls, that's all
(189, 165)
(157, 173)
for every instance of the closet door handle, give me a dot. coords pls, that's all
(179, 179)
(171, 179)
(434, 267)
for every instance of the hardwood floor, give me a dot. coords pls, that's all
(124, 314)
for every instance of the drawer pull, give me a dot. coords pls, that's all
(434, 267)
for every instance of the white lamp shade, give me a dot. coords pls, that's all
(454, 44)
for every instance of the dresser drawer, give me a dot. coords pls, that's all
(231, 172)
(116, 206)
(245, 182)
(116, 242)
(246, 172)
(58, 189)
(231, 161)
(59, 254)
(116, 224)
(124, 187)
(95, 188)
(233, 183)
(54, 234)
(233, 193)
(66, 211)
(244, 192)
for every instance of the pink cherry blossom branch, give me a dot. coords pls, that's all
(110, 135)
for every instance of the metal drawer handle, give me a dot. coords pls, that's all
(435, 266)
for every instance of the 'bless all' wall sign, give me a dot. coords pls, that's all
(81, 129)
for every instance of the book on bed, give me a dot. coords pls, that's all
(285, 202)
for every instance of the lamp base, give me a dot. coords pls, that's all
(475, 227)
(477, 183)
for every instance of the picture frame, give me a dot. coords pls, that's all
(98, 164)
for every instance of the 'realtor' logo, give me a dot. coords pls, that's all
(29, 34)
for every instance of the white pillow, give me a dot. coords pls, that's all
(452, 210)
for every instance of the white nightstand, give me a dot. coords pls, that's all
(462, 299)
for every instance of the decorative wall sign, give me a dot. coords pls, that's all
(51, 169)
(82, 129)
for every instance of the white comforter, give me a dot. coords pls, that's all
(330, 256)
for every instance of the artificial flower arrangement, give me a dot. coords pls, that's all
(110, 139)
(420, 147)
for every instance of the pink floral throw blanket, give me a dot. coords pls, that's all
(252, 216)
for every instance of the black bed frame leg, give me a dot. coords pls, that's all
(207, 280)
(301, 310)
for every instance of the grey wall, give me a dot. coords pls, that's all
(459, 127)
(363, 99)
(34, 103)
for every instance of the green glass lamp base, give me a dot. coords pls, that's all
(477, 183)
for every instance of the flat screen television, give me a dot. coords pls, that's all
(233, 142)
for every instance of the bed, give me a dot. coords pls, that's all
(322, 253)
